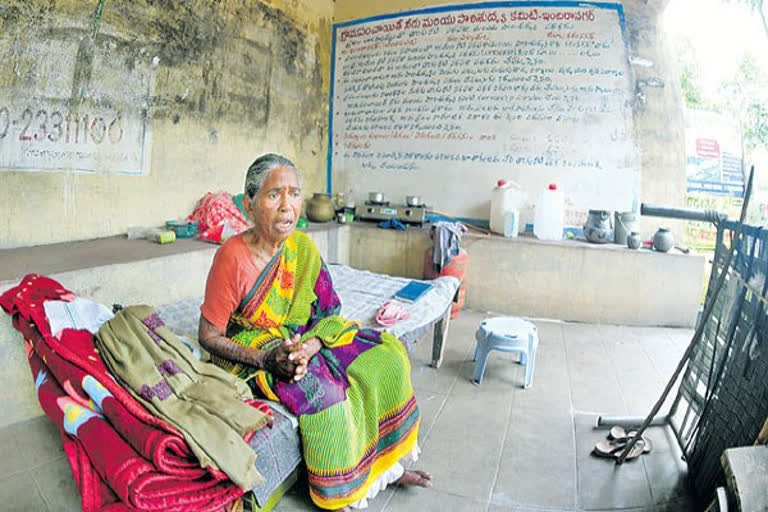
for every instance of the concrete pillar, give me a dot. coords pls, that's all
(658, 110)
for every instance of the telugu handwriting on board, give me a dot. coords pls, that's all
(402, 87)
(533, 88)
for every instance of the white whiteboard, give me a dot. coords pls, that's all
(442, 102)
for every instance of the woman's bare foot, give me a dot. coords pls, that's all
(416, 477)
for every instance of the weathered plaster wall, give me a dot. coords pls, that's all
(657, 105)
(232, 79)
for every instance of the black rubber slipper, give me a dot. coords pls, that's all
(618, 434)
(613, 449)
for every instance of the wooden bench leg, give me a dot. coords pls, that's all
(441, 333)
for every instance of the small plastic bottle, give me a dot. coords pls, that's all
(548, 220)
(511, 223)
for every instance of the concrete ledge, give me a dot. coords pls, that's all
(54, 258)
(578, 281)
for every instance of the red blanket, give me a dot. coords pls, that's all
(122, 457)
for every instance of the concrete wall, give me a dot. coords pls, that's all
(232, 79)
(658, 111)
(386, 251)
(581, 282)
(566, 280)
(657, 104)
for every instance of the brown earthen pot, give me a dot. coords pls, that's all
(320, 208)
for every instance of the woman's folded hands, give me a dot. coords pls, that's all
(288, 361)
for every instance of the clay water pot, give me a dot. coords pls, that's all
(633, 240)
(663, 240)
(320, 208)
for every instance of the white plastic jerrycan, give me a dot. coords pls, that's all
(549, 217)
(506, 199)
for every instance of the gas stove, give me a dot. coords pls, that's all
(385, 211)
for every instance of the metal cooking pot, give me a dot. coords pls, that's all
(413, 201)
(598, 229)
(376, 197)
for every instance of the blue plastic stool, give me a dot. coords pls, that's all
(506, 334)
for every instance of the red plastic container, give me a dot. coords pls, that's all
(457, 267)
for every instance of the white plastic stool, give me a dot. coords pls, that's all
(506, 334)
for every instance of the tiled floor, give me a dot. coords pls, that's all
(490, 448)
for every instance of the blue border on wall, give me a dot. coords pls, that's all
(438, 9)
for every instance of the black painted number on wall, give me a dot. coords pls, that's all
(5, 122)
(62, 127)
(43, 126)
(58, 129)
(98, 130)
(27, 115)
(116, 129)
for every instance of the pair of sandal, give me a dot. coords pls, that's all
(618, 439)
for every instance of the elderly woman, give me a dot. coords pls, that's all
(271, 316)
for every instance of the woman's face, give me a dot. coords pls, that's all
(277, 205)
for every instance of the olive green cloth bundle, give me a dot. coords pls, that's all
(201, 400)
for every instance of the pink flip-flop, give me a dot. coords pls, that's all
(390, 313)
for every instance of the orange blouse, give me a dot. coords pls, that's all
(231, 277)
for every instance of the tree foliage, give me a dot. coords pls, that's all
(742, 95)
(746, 96)
(690, 74)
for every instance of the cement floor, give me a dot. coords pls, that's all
(490, 448)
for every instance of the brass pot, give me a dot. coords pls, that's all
(320, 208)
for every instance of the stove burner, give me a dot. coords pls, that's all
(385, 211)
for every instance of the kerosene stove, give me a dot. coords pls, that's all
(383, 210)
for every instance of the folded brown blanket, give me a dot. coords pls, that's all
(207, 404)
